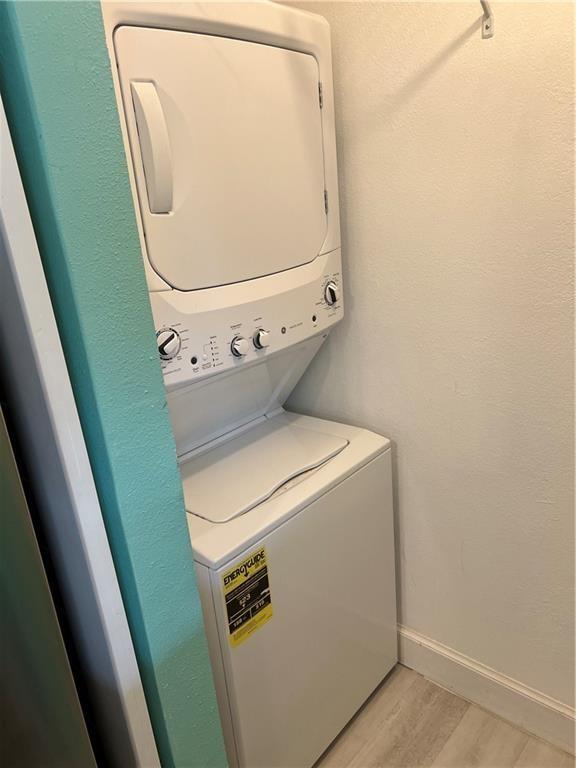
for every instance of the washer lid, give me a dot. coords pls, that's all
(236, 476)
(226, 140)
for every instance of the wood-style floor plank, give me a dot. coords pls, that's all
(482, 739)
(538, 754)
(378, 709)
(410, 722)
(416, 731)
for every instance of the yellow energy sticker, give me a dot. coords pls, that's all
(247, 595)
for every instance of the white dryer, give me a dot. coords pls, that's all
(228, 120)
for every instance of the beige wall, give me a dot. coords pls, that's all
(456, 183)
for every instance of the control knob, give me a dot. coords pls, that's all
(331, 293)
(168, 342)
(261, 338)
(239, 346)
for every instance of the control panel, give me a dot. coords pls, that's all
(194, 345)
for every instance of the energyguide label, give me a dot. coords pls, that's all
(247, 595)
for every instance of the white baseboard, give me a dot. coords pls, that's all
(529, 709)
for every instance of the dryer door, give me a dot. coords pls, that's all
(226, 140)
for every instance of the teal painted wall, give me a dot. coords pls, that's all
(57, 89)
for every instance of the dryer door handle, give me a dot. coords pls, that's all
(154, 146)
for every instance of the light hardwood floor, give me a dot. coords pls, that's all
(410, 722)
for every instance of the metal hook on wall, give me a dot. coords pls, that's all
(488, 20)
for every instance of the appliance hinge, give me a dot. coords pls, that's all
(320, 96)
(326, 200)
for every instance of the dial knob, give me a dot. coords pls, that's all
(239, 346)
(331, 293)
(168, 341)
(261, 338)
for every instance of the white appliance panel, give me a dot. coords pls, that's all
(226, 140)
(204, 411)
(297, 680)
(291, 306)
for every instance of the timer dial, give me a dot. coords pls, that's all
(261, 338)
(239, 346)
(331, 293)
(169, 343)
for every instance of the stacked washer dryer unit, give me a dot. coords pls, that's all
(228, 117)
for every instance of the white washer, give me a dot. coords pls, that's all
(299, 645)
(227, 115)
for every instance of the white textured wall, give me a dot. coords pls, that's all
(456, 180)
